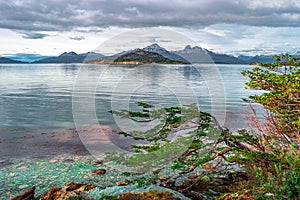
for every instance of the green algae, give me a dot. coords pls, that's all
(44, 174)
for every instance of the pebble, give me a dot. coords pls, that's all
(162, 178)
(99, 171)
(23, 168)
(97, 162)
(121, 183)
(23, 186)
(53, 161)
(269, 194)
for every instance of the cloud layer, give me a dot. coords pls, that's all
(232, 26)
(66, 15)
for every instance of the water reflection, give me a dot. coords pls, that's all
(37, 98)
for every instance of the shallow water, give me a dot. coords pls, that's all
(37, 98)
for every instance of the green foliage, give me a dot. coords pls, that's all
(272, 174)
(187, 150)
(282, 181)
(126, 174)
(276, 165)
(144, 105)
(281, 81)
(170, 118)
(146, 161)
(145, 182)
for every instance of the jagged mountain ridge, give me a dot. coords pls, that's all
(155, 48)
(71, 57)
(144, 57)
(188, 54)
(199, 55)
(257, 58)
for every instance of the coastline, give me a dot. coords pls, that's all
(59, 157)
(48, 160)
(43, 145)
(69, 142)
(62, 142)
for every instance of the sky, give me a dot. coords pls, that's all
(235, 27)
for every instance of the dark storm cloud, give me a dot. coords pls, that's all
(66, 15)
(33, 35)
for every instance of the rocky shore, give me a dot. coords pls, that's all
(57, 165)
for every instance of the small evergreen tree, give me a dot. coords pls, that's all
(281, 81)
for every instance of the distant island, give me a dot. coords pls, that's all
(149, 54)
(9, 61)
(157, 54)
(138, 58)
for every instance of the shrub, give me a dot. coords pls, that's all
(279, 177)
(281, 82)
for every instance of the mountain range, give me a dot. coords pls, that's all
(187, 55)
(199, 55)
(146, 57)
(9, 61)
(71, 57)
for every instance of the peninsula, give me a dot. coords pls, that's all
(137, 58)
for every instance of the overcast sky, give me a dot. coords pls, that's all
(51, 27)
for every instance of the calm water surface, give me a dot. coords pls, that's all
(37, 98)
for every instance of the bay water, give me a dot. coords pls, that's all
(36, 98)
